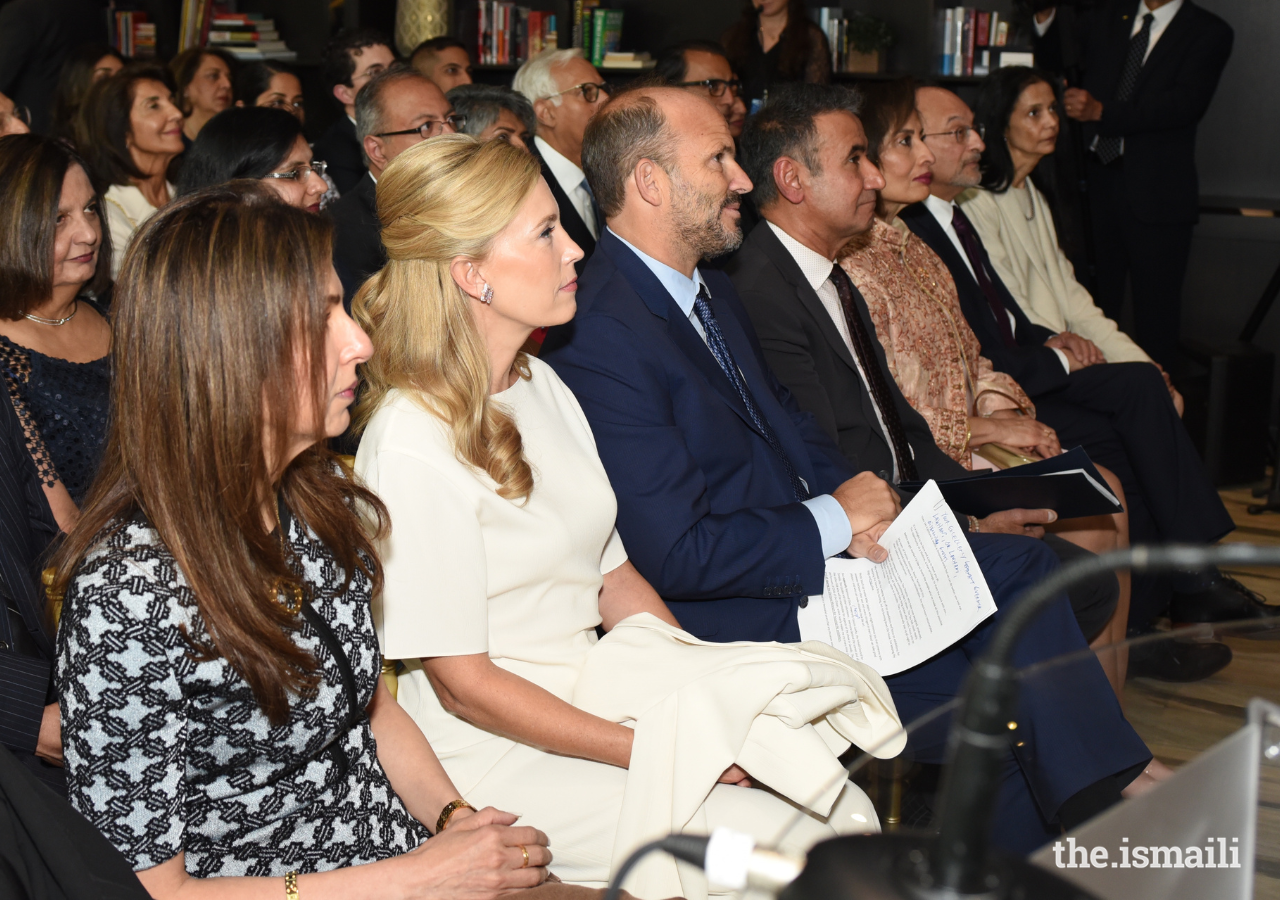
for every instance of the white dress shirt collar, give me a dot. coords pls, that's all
(944, 211)
(815, 267)
(572, 181)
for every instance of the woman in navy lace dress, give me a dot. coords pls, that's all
(54, 378)
(54, 337)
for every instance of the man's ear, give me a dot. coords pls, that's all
(648, 179)
(377, 153)
(788, 177)
(346, 95)
(546, 111)
(467, 276)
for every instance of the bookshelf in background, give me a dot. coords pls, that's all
(247, 36)
(507, 34)
(132, 36)
(974, 42)
(858, 42)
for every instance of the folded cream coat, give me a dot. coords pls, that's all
(783, 712)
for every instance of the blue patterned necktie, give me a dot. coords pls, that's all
(720, 350)
(1110, 148)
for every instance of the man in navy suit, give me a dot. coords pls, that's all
(730, 498)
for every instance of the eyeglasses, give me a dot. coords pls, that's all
(715, 86)
(21, 113)
(960, 135)
(590, 91)
(432, 127)
(299, 172)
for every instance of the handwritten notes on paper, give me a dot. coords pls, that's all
(926, 596)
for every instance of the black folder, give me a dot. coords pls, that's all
(1069, 484)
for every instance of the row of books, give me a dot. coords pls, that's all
(965, 36)
(844, 58)
(132, 35)
(510, 34)
(598, 32)
(248, 36)
(194, 25)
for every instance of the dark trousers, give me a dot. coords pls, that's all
(1070, 730)
(1153, 256)
(1122, 415)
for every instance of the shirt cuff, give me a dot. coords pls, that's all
(1042, 27)
(833, 524)
(1062, 358)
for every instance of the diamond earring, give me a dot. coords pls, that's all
(487, 296)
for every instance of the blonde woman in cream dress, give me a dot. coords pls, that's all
(503, 559)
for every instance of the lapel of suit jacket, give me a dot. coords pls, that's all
(808, 297)
(570, 220)
(921, 221)
(1170, 47)
(756, 376)
(19, 496)
(682, 332)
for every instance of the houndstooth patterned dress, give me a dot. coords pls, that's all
(166, 754)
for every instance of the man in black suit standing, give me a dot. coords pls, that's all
(349, 61)
(35, 38)
(397, 108)
(1150, 70)
(824, 352)
(565, 91)
(29, 718)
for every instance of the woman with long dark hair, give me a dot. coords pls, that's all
(775, 41)
(226, 724)
(259, 143)
(84, 67)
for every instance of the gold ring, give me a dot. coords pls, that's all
(525, 851)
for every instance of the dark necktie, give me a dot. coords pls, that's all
(1110, 148)
(977, 258)
(720, 350)
(861, 338)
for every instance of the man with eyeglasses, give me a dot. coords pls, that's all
(348, 62)
(565, 91)
(397, 109)
(703, 66)
(13, 119)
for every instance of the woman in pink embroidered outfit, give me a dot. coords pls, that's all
(933, 354)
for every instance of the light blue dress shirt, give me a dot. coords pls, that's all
(828, 514)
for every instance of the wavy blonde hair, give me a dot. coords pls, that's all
(439, 200)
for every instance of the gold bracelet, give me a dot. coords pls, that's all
(291, 886)
(973, 524)
(447, 813)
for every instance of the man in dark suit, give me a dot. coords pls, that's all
(349, 61)
(1150, 71)
(565, 91)
(1122, 413)
(396, 109)
(827, 354)
(29, 719)
(730, 498)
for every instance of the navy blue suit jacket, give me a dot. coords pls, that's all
(705, 507)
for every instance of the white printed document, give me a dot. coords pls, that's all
(896, 614)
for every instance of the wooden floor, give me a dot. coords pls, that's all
(1180, 721)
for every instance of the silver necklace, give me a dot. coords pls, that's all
(63, 321)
